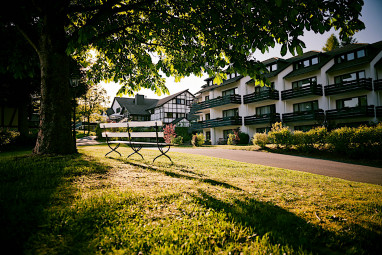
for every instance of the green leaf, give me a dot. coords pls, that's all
(283, 50)
(299, 50)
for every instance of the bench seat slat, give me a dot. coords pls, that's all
(145, 143)
(132, 124)
(133, 134)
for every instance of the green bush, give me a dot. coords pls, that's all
(8, 137)
(339, 139)
(299, 140)
(231, 139)
(177, 140)
(183, 132)
(244, 138)
(260, 139)
(317, 136)
(280, 135)
(198, 139)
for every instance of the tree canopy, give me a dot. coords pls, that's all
(137, 40)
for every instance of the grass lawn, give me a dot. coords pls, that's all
(89, 204)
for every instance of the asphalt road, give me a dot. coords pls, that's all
(347, 171)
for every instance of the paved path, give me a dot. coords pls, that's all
(330, 168)
(87, 140)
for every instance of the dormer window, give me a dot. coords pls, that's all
(272, 67)
(351, 56)
(306, 62)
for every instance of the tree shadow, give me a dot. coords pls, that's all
(184, 176)
(286, 228)
(30, 187)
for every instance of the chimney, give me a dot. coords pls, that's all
(139, 99)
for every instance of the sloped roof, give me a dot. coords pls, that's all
(225, 82)
(132, 108)
(162, 101)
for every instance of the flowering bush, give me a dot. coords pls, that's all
(169, 133)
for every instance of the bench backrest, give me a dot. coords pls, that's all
(132, 124)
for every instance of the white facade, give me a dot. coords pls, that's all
(328, 95)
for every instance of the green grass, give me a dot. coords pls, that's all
(89, 204)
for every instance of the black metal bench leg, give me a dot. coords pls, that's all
(113, 149)
(136, 150)
(163, 153)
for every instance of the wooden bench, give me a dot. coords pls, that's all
(135, 145)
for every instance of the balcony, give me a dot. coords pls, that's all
(229, 99)
(378, 84)
(350, 112)
(361, 84)
(378, 110)
(262, 119)
(218, 122)
(317, 115)
(314, 89)
(261, 96)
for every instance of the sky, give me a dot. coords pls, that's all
(371, 16)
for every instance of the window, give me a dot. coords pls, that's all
(259, 89)
(140, 118)
(361, 53)
(208, 135)
(351, 56)
(304, 82)
(272, 67)
(169, 115)
(231, 113)
(229, 92)
(227, 132)
(118, 109)
(180, 115)
(206, 98)
(208, 116)
(305, 63)
(188, 102)
(260, 111)
(351, 102)
(304, 127)
(306, 106)
(263, 130)
(180, 101)
(349, 77)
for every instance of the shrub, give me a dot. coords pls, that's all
(198, 139)
(177, 140)
(317, 136)
(299, 139)
(231, 139)
(280, 135)
(8, 137)
(243, 138)
(169, 133)
(340, 139)
(260, 139)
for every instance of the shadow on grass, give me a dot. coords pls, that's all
(30, 186)
(184, 176)
(286, 228)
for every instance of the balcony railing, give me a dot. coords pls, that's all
(229, 99)
(378, 110)
(361, 84)
(378, 84)
(314, 89)
(350, 112)
(218, 122)
(317, 115)
(271, 94)
(261, 119)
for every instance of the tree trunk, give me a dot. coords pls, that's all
(55, 134)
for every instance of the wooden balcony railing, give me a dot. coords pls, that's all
(314, 89)
(361, 84)
(262, 119)
(218, 122)
(378, 84)
(229, 99)
(271, 94)
(317, 115)
(350, 112)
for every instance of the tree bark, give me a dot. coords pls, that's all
(55, 134)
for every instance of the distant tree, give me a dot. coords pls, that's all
(331, 43)
(185, 36)
(348, 40)
(92, 103)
